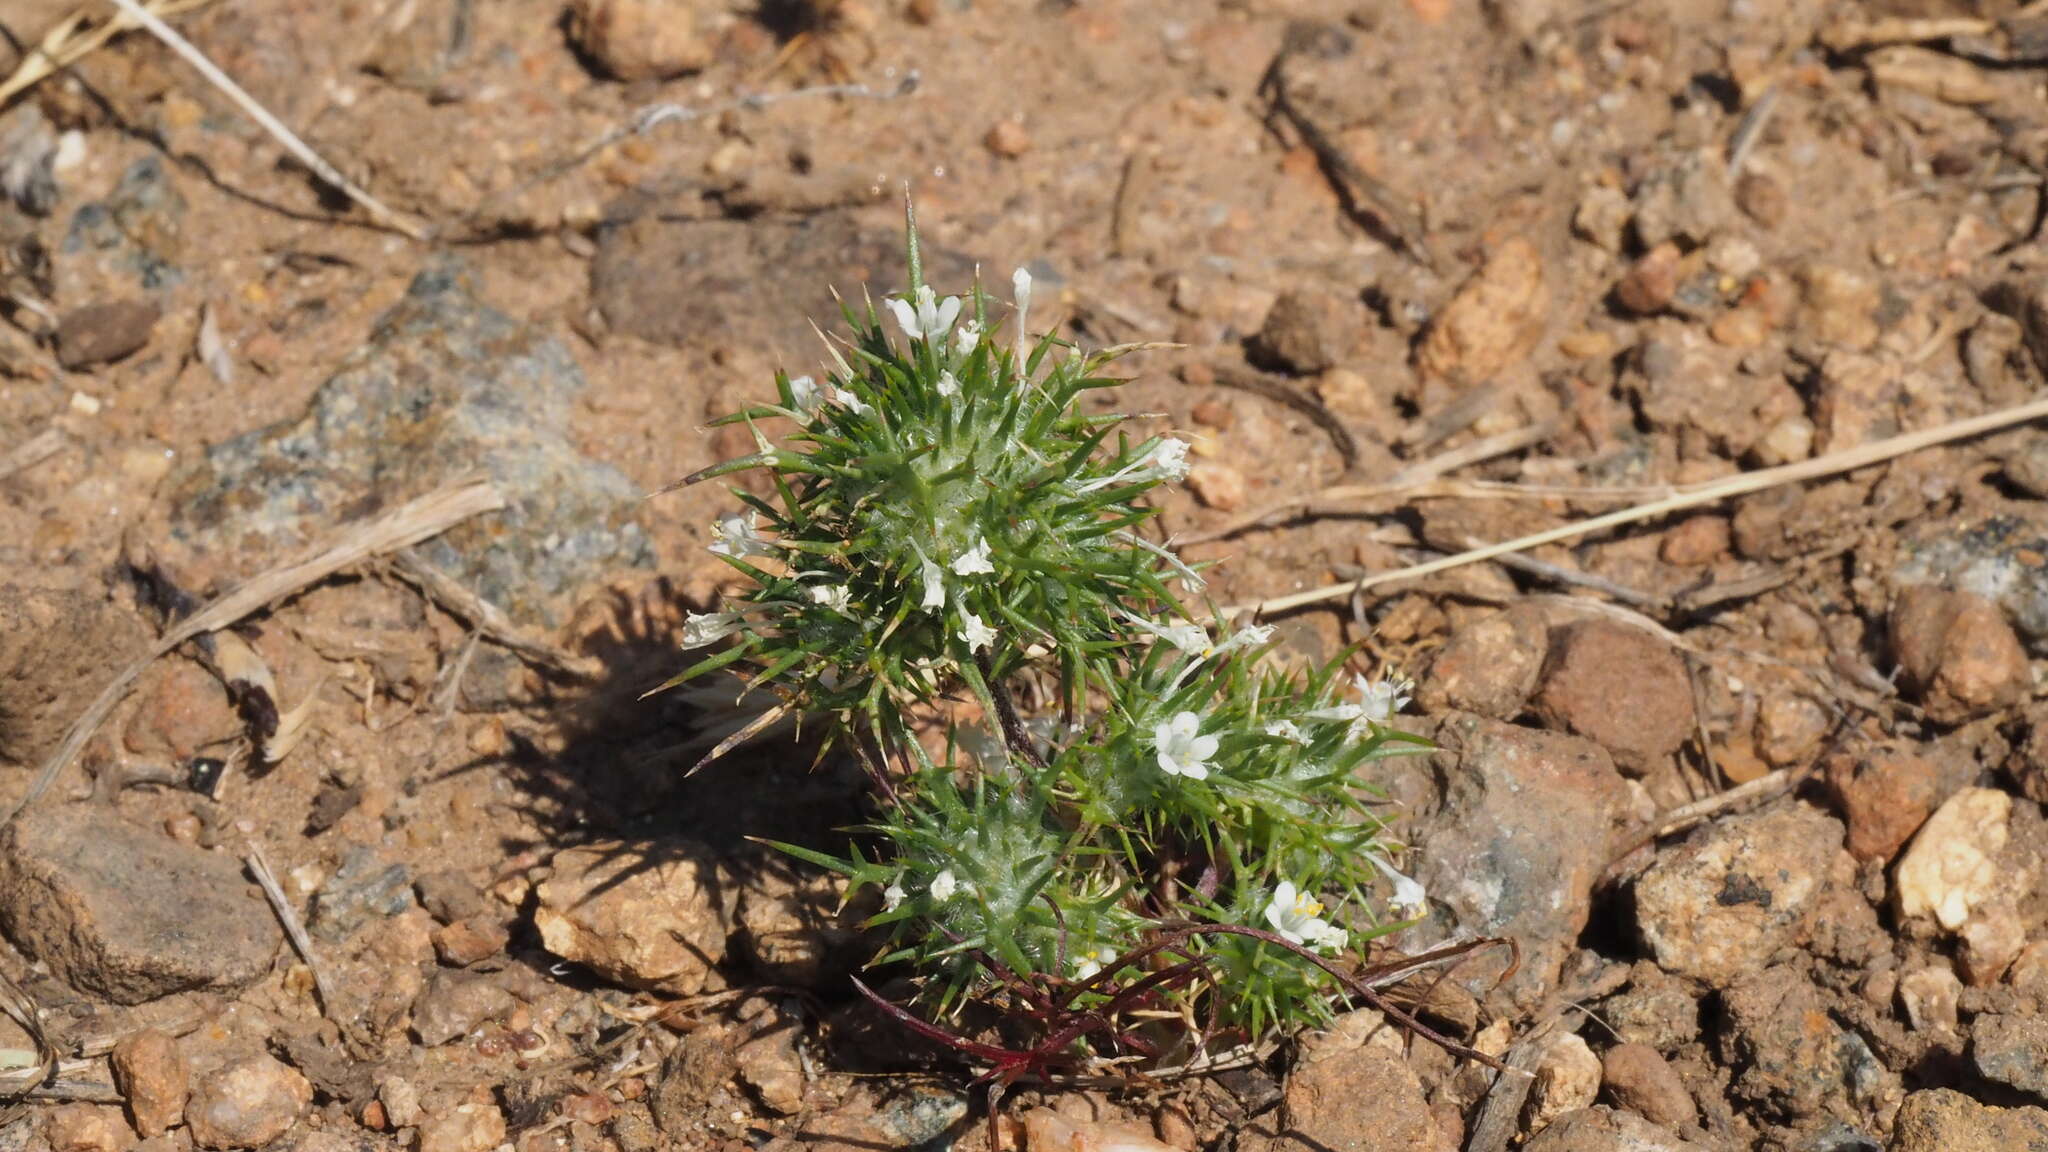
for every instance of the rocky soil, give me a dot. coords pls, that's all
(1755, 791)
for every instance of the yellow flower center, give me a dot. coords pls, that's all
(1306, 906)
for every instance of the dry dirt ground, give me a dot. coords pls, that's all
(1444, 257)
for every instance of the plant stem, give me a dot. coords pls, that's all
(1006, 714)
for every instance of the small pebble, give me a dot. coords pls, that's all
(1217, 486)
(1008, 139)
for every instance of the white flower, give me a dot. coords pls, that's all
(930, 319)
(1250, 637)
(1020, 291)
(849, 401)
(740, 536)
(806, 395)
(968, 335)
(703, 628)
(1298, 919)
(892, 896)
(934, 583)
(974, 561)
(944, 885)
(1409, 896)
(834, 596)
(1183, 750)
(1165, 460)
(1286, 730)
(1187, 635)
(948, 385)
(1089, 963)
(1380, 699)
(977, 634)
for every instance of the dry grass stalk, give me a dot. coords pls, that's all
(294, 930)
(17, 1082)
(31, 452)
(1680, 499)
(74, 38)
(487, 618)
(330, 175)
(402, 527)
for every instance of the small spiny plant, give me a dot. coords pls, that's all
(1176, 850)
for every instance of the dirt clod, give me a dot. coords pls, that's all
(1494, 319)
(642, 39)
(102, 333)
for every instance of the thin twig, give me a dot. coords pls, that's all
(1423, 479)
(1691, 496)
(328, 173)
(31, 452)
(294, 930)
(402, 527)
(487, 618)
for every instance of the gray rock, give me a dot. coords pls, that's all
(2012, 1050)
(129, 914)
(131, 240)
(358, 892)
(452, 1006)
(1687, 199)
(1524, 823)
(1795, 1062)
(1996, 557)
(1735, 892)
(446, 387)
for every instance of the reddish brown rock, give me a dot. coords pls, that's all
(152, 1076)
(104, 333)
(1883, 795)
(1642, 1081)
(1496, 317)
(1651, 281)
(1488, 666)
(1307, 332)
(641, 39)
(1695, 541)
(1620, 687)
(466, 942)
(1956, 653)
